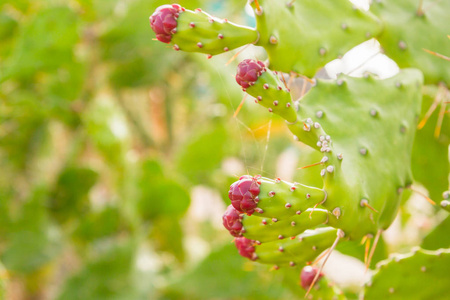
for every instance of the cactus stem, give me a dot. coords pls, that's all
(365, 202)
(340, 235)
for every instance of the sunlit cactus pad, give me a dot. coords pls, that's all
(302, 36)
(411, 27)
(418, 275)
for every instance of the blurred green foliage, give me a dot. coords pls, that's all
(103, 133)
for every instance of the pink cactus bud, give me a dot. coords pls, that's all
(246, 247)
(243, 194)
(307, 276)
(232, 220)
(164, 20)
(248, 72)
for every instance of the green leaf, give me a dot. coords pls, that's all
(203, 153)
(31, 240)
(70, 197)
(109, 275)
(160, 195)
(97, 225)
(45, 43)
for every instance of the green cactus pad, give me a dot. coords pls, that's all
(197, 31)
(270, 92)
(300, 250)
(408, 31)
(265, 230)
(282, 200)
(372, 123)
(419, 275)
(430, 153)
(304, 36)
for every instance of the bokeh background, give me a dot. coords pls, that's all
(116, 155)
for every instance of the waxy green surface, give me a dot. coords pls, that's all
(415, 276)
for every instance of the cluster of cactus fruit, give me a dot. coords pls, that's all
(364, 128)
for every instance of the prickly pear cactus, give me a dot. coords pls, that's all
(362, 129)
(410, 28)
(197, 31)
(302, 36)
(426, 273)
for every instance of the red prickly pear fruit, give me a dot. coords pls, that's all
(246, 247)
(232, 220)
(248, 72)
(307, 276)
(164, 20)
(244, 194)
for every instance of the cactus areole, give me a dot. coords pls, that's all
(164, 21)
